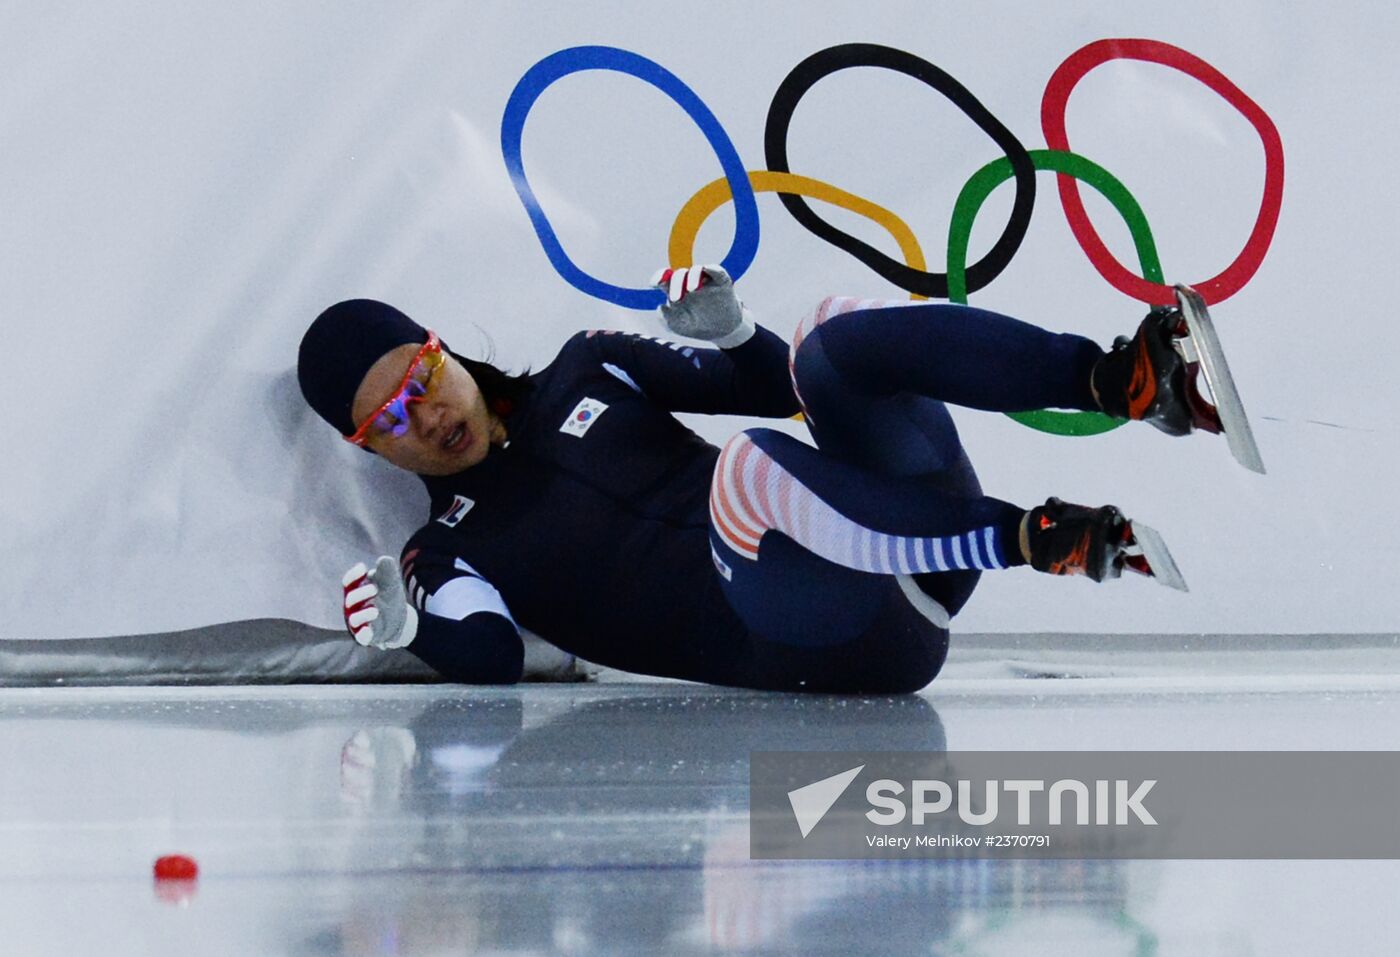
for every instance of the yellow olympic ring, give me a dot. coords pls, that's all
(681, 249)
(697, 209)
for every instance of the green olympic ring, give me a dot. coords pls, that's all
(965, 210)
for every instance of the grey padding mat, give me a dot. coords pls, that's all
(276, 651)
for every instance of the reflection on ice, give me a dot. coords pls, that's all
(606, 818)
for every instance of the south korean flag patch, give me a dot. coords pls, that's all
(582, 418)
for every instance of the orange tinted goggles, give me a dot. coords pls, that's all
(391, 419)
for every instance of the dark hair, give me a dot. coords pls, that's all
(503, 391)
(346, 340)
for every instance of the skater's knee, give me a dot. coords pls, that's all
(741, 441)
(816, 380)
(811, 322)
(770, 441)
(735, 485)
(841, 360)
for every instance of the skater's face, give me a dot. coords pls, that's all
(449, 426)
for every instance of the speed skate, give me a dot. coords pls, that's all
(1223, 412)
(1144, 552)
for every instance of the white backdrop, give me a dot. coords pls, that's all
(185, 186)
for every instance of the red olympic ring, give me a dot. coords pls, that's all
(1052, 121)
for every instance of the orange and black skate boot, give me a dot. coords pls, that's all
(1070, 539)
(1144, 377)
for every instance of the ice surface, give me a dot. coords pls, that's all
(610, 818)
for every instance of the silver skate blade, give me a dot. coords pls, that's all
(1159, 559)
(1218, 378)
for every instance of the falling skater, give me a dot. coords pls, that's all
(572, 503)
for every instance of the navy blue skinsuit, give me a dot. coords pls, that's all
(597, 536)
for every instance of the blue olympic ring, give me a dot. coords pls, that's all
(574, 60)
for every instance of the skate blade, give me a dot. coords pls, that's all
(1148, 555)
(1205, 344)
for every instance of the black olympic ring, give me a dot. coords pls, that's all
(825, 62)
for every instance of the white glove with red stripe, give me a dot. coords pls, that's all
(377, 612)
(701, 304)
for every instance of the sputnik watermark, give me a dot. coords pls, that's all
(1122, 809)
(1104, 802)
(1101, 802)
(1075, 804)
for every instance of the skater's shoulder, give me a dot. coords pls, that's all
(432, 539)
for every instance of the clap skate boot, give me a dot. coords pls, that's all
(1144, 378)
(1157, 376)
(1099, 543)
(1070, 539)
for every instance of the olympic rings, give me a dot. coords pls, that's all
(832, 59)
(965, 210)
(1052, 118)
(912, 275)
(714, 195)
(577, 59)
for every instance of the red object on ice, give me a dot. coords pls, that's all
(176, 867)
